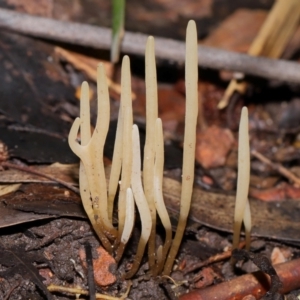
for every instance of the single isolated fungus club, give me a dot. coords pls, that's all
(242, 212)
(138, 192)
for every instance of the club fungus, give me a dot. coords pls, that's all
(158, 196)
(128, 225)
(140, 200)
(189, 144)
(98, 199)
(242, 208)
(126, 119)
(151, 116)
(91, 156)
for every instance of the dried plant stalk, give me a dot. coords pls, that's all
(191, 82)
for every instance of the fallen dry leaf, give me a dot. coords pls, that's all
(213, 146)
(43, 8)
(226, 35)
(279, 193)
(207, 277)
(64, 172)
(8, 188)
(103, 266)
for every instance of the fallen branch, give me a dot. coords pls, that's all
(256, 284)
(134, 43)
(277, 167)
(213, 259)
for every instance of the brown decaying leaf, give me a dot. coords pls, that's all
(64, 172)
(37, 202)
(279, 193)
(103, 266)
(213, 145)
(207, 277)
(44, 7)
(226, 36)
(212, 209)
(8, 188)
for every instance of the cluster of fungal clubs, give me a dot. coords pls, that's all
(136, 190)
(144, 190)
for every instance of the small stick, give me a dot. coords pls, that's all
(277, 167)
(216, 258)
(90, 267)
(255, 284)
(133, 43)
(70, 290)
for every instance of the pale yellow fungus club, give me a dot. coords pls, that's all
(148, 166)
(191, 113)
(242, 207)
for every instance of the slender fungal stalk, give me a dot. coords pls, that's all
(151, 116)
(247, 224)
(80, 152)
(91, 155)
(116, 165)
(97, 181)
(140, 200)
(126, 110)
(243, 180)
(85, 134)
(191, 82)
(158, 196)
(128, 226)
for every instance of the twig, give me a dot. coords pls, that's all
(70, 290)
(265, 265)
(277, 167)
(134, 43)
(89, 262)
(255, 284)
(10, 291)
(216, 258)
